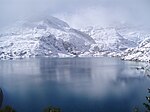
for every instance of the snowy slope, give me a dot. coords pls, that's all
(43, 37)
(109, 38)
(140, 53)
(55, 38)
(134, 33)
(114, 40)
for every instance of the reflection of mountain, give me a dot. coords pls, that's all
(20, 67)
(66, 69)
(82, 82)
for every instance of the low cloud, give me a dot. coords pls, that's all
(78, 13)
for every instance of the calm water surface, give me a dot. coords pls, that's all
(73, 84)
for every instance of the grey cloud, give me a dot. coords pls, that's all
(78, 13)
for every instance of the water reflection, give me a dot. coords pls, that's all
(65, 70)
(77, 84)
(19, 67)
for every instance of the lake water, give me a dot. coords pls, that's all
(73, 84)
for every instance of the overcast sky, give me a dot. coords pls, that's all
(78, 13)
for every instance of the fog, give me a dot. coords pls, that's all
(78, 13)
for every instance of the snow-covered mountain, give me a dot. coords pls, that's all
(117, 40)
(140, 53)
(43, 37)
(134, 33)
(55, 38)
(109, 38)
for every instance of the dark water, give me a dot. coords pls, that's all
(74, 85)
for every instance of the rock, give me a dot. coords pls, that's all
(1, 97)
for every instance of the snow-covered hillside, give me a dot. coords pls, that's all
(117, 40)
(140, 53)
(44, 37)
(109, 38)
(134, 33)
(55, 38)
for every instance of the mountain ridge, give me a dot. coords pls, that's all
(55, 38)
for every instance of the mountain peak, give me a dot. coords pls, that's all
(42, 37)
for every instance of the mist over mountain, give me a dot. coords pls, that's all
(55, 28)
(78, 13)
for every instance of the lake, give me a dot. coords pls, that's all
(73, 84)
